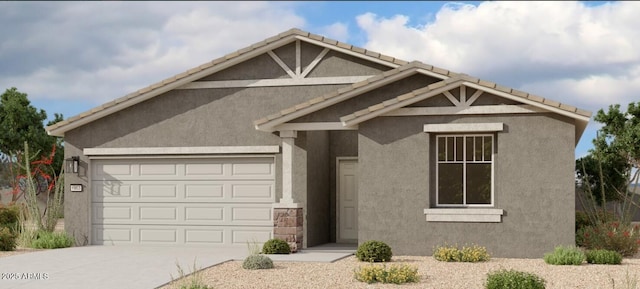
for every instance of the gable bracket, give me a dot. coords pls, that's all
(452, 98)
(315, 62)
(282, 64)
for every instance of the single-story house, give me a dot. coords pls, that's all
(316, 141)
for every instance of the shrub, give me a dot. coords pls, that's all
(513, 279)
(603, 257)
(374, 251)
(613, 236)
(568, 255)
(7, 239)
(276, 246)
(255, 262)
(51, 240)
(472, 254)
(395, 274)
(10, 217)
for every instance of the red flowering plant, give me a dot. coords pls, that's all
(613, 235)
(37, 182)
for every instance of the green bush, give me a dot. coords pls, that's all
(472, 254)
(7, 239)
(52, 240)
(395, 274)
(374, 251)
(10, 217)
(562, 255)
(603, 257)
(255, 262)
(613, 236)
(513, 279)
(276, 246)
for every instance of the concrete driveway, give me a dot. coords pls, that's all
(124, 267)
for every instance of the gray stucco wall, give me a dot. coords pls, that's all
(534, 185)
(207, 117)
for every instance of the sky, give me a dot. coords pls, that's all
(72, 56)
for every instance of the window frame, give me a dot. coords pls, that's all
(464, 171)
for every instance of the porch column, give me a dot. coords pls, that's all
(288, 141)
(287, 215)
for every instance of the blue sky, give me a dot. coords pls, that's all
(72, 56)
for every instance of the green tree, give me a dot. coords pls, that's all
(612, 165)
(21, 122)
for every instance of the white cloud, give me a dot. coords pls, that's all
(101, 51)
(338, 31)
(585, 56)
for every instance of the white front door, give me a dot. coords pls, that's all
(347, 191)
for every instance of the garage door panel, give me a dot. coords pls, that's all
(251, 214)
(208, 169)
(204, 236)
(156, 213)
(204, 213)
(208, 201)
(184, 191)
(182, 214)
(158, 169)
(204, 191)
(157, 235)
(189, 235)
(157, 191)
(241, 236)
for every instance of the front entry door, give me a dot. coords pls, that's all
(347, 191)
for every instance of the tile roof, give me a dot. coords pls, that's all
(160, 87)
(463, 78)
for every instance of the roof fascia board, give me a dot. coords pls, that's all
(269, 126)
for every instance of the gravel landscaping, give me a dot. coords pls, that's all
(434, 274)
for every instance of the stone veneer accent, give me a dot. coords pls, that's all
(287, 225)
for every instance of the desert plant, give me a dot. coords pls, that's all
(374, 251)
(255, 262)
(188, 281)
(630, 282)
(49, 240)
(472, 254)
(253, 247)
(603, 257)
(7, 239)
(276, 246)
(565, 255)
(395, 274)
(513, 279)
(614, 236)
(10, 217)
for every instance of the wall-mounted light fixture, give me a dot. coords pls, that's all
(73, 163)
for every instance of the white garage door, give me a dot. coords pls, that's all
(206, 201)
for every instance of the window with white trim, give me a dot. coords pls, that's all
(464, 170)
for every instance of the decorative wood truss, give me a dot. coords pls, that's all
(298, 76)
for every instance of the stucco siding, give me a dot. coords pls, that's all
(339, 64)
(259, 67)
(533, 185)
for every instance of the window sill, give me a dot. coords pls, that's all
(471, 215)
